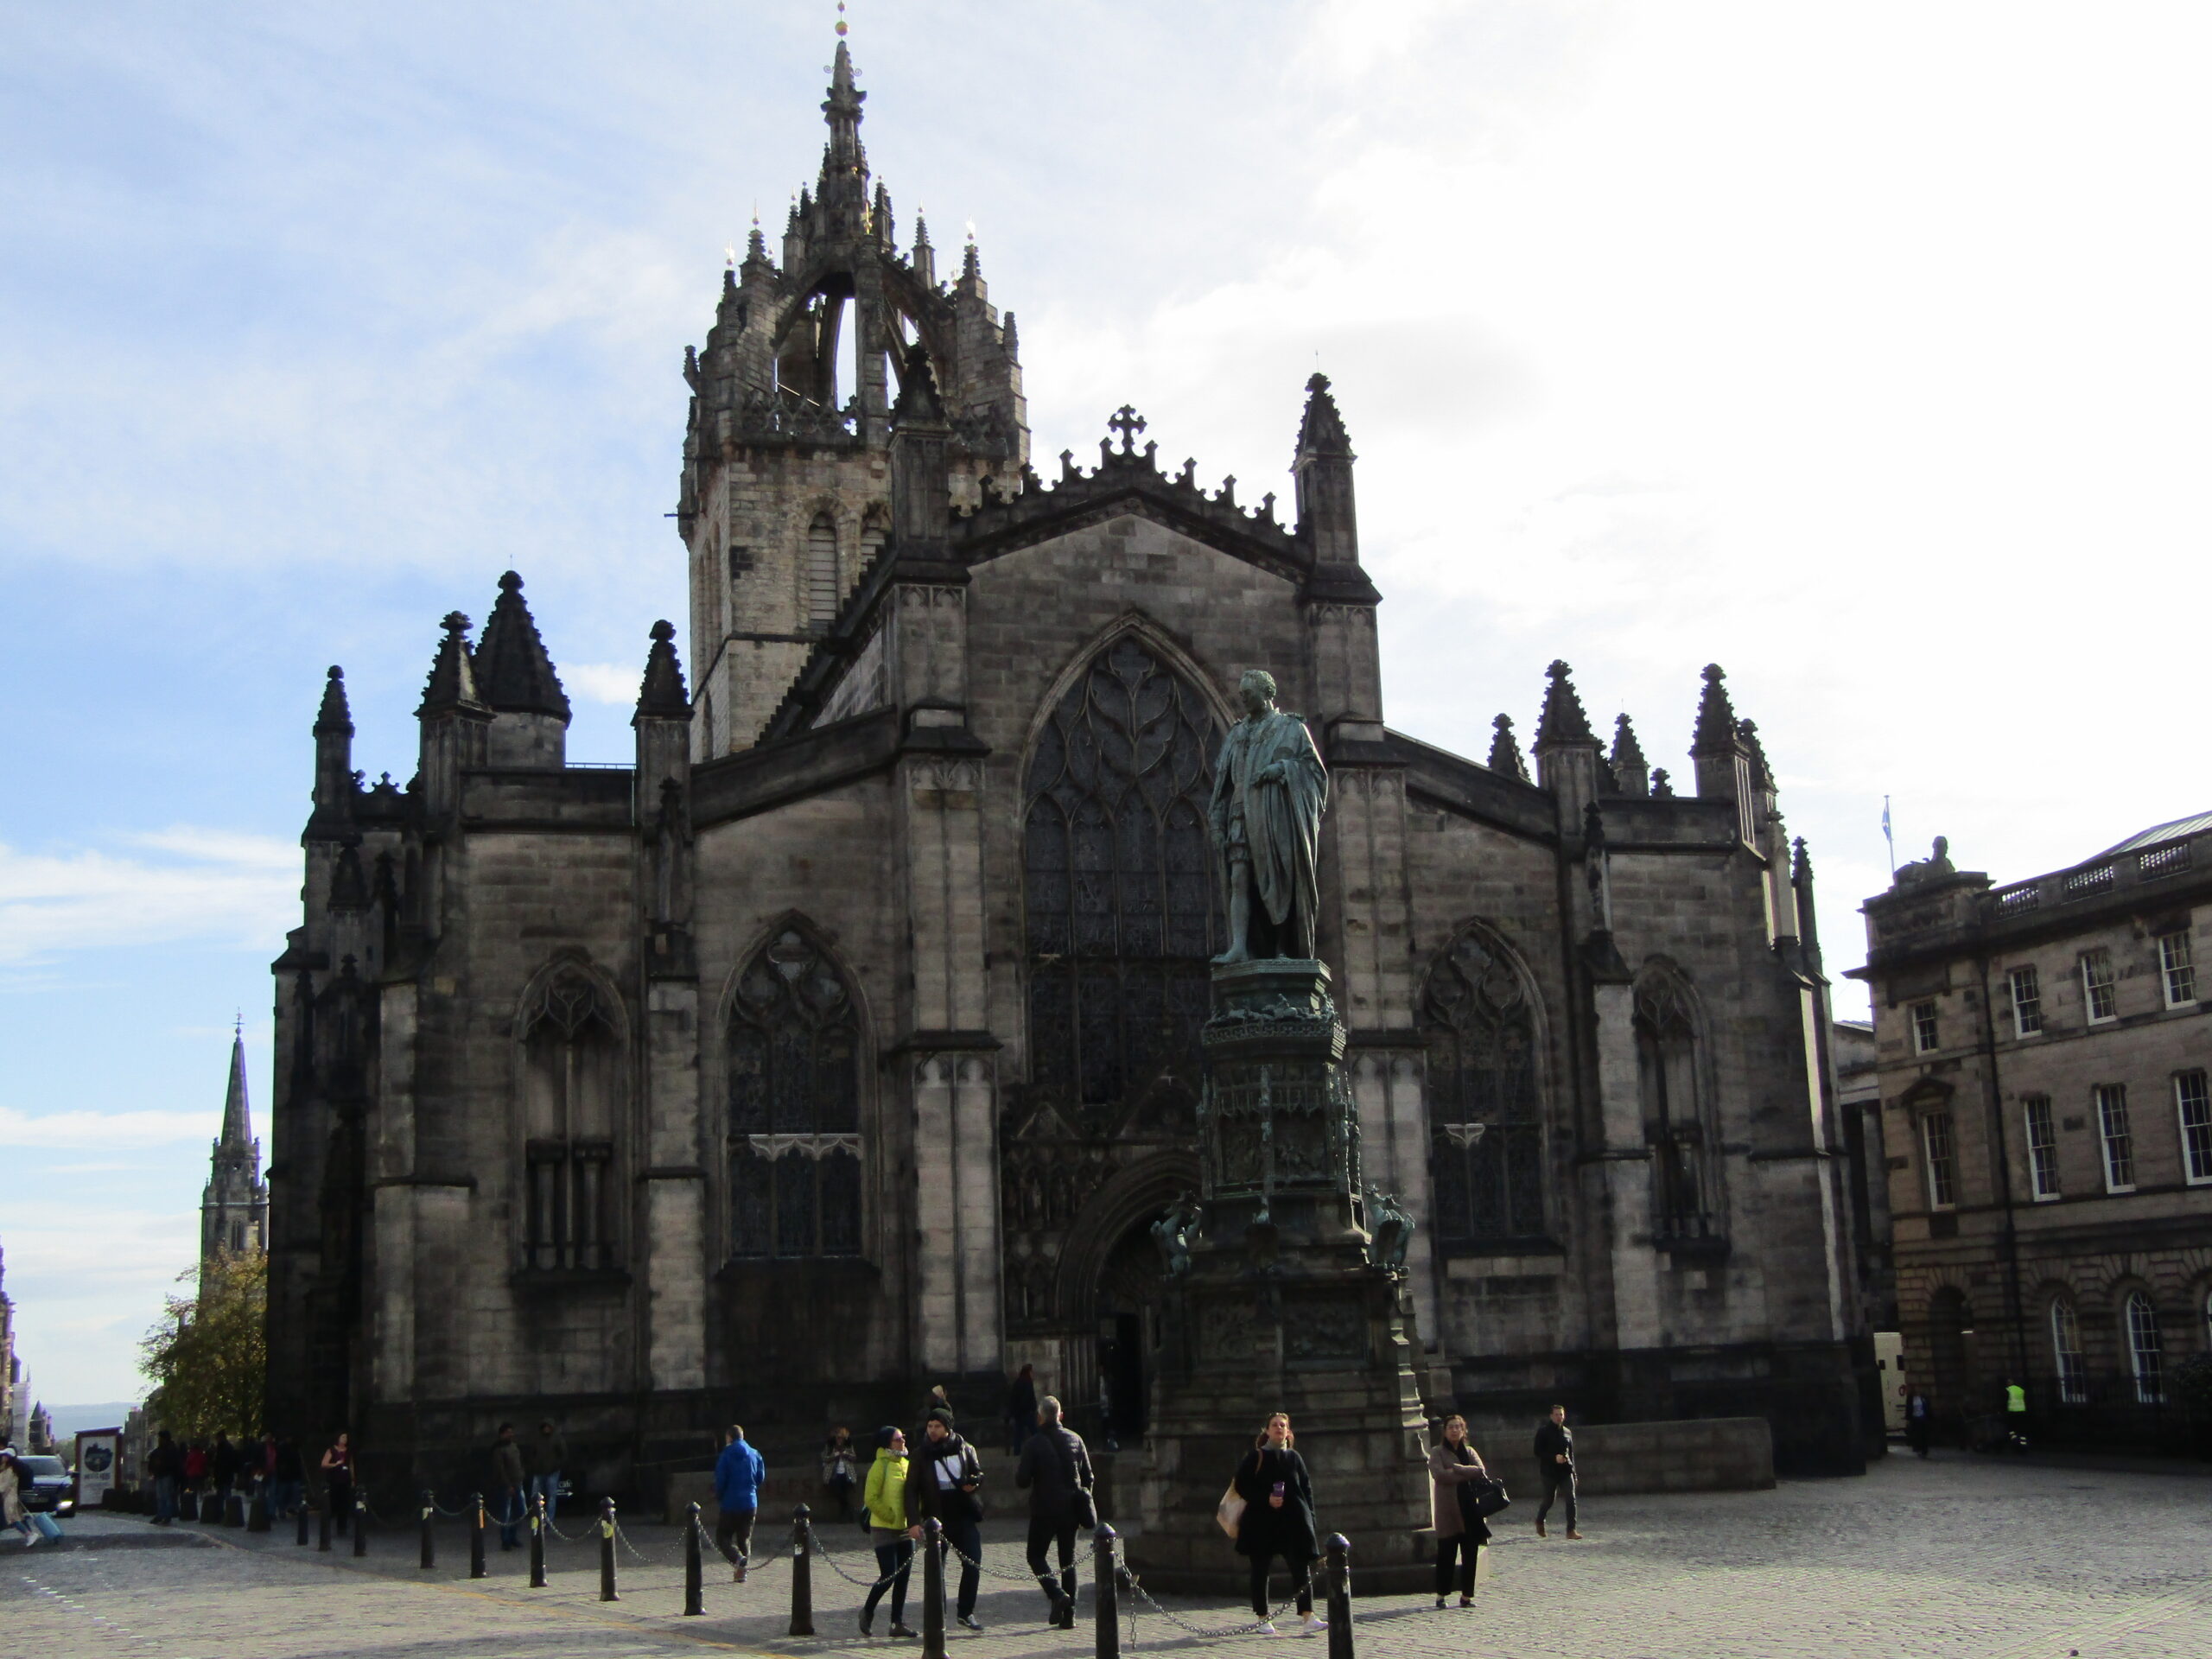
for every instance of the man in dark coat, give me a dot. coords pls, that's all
(944, 1480)
(1555, 1468)
(1055, 1467)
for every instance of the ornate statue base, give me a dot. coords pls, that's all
(1285, 1292)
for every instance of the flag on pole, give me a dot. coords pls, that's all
(1889, 835)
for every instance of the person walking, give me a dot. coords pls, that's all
(1919, 1422)
(165, 1464)
(948, 1485)
(288, 1479)
(837, 1478)
(1020, 1410)
(2015, 1416)
(1456, 1475)
(738, 1474)
(1278, 1519)
(508, 1480)
(885, 1501)
(195, 1476)
(1556, 1467)
(338, 1480)
(1055, 1468)
(543, 1459)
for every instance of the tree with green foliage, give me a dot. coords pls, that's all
(208, 1358)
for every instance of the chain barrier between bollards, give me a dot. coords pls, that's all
(607, 1550)
(1109, 1613)
(537, 1524)
(1339, 1583)
(802, 1574)
(360, 1521)
(430, 1535)
(476, 1534)
(932, 1589)
(695, 1593)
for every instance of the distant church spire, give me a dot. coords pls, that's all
(234, 1208)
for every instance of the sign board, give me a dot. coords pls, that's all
(99, 1452)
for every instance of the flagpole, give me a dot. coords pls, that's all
(1889, 835)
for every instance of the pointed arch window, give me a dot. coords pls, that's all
(821, 571)
(1118, 880)
(1671, 1093)
(1485, 1121)
(794, 1105)
(572, 1069)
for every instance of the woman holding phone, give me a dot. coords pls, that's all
(1278, 1519)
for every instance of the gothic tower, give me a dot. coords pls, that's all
(234, 1208)
(786, 488)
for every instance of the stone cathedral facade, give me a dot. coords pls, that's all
(847, 1042)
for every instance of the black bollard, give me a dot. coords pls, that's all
(802, 1574)
(1339, 1593)
(429, 1531)
(299, 1522)
(256, 1513)
(233, 1510)
(476, 1534)
(932, 1589)
(537, 1542)
(1110, 1609)
(607, 1550)
(322, 1526)
(695, 1592)
(360, 1521)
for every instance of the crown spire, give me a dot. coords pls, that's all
(511, 663)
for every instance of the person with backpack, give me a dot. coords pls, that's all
(1055, 1468)
(884, 1500)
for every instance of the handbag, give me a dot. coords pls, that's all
(1228, 1515)
(1487, 1497)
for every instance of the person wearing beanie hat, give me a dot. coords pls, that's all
(885, 1499)
(947, 1483)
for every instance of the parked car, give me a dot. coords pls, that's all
(51, 1487)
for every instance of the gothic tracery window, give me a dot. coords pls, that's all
(571, 1073)
(1673, 1119)
(1487, 1129)
(1119, 883)
(794, 1105)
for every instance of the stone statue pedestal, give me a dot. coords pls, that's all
(1285, 1292)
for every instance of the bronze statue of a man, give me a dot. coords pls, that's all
(1269, 787)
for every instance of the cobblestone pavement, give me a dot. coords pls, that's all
(1958, 1556)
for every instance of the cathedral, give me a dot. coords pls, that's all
(846, 1042)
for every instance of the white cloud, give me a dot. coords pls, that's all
(609, 683)
(203, 884)
(101, 1131)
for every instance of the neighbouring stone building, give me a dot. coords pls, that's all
(2043, 1059)
(234, 1205)
(847, 1041)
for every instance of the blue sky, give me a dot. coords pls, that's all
(1859, 347)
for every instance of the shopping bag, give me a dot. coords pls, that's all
(1230, 1513)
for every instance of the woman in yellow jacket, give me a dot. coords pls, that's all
(887, 1531)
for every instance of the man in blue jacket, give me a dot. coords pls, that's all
(738, 1474)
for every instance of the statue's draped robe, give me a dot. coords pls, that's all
(1281, 819)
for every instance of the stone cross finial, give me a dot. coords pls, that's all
(1127, 422)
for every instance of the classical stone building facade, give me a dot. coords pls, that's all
(2044, 1056)
(847, 1041)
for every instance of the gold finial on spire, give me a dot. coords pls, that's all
(729, 254)
(842, 30)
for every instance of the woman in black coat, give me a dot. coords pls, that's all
(1278, 1518)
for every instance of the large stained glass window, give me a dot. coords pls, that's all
(794, 1105)
(1485, 1121)
(1119, 884)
